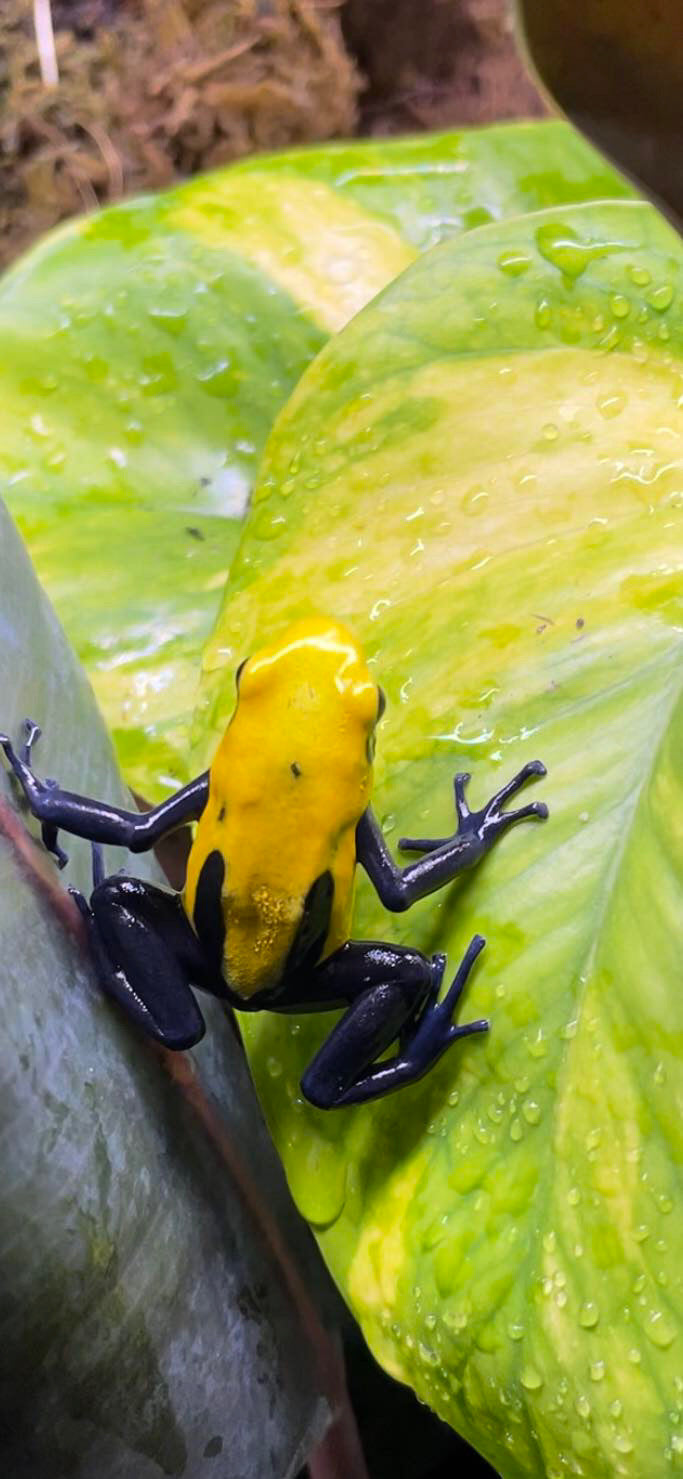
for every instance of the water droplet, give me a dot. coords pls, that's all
(219, 379)
(664, 1203)
(574, 1196)
(173, 320)
(634, 1356)
(516, 1131)
(474, 502)
(549, 432)
(531, 1111)
(660, 298)
(378, 608)
(592, 1140)
(610, 339)
(583, 1406)
(659, 1074)
(611, 405)
(454, 1095)
(274, 1067)
(515, 1331)
(623, 1444)
(543, 314)
(430, 1321)
(514, 263)
(531, 1379)
(589, 1314)
(616, 1408)
(659, 1330)
(641, 1232)
(619, 305)
(55, 459)
(639, 275)
(597, 1370)
(549, 1242)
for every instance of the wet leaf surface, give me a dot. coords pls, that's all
(147, 350)
(482, 474)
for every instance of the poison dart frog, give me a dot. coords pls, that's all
(283, 816)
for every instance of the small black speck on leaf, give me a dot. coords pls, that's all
(214, 1447)
(194, 532)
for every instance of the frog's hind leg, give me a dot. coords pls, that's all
(145, 954)
(398, 999)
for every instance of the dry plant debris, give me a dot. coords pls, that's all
(150, 91)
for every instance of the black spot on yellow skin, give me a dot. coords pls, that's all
(208, 916)
(295, 769)
(221, 814)
(313, 926)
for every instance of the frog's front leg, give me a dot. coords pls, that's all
(147, 956)
(393, 993)
(444, 858)
(97, 820)
(49, 832)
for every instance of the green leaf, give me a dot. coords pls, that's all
(482, 475)
(146, 1323)
(147, 350)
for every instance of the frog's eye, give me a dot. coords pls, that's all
(239, 670)
(381, 703)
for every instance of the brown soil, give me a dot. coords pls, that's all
(149, 91)
(153, 90)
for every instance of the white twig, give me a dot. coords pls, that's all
(45, 41)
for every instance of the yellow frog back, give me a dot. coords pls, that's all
(289, 782)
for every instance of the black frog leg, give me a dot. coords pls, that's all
(84, 816)
(446, 857)
(48, 831)
(147, 956)
(393, 993)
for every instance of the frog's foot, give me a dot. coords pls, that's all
(436, 1029)
(488, 823)
(37, 792)
(32, 733)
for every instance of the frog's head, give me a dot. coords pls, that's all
(311, 693)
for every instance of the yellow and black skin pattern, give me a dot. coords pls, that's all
(282, 818)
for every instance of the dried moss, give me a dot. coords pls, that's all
(153, 90)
